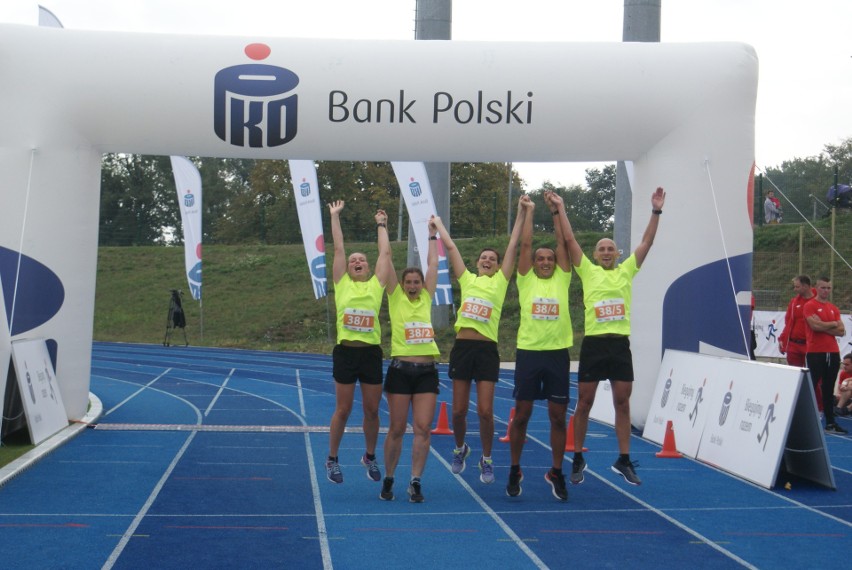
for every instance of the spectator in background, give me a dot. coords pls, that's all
(772, 208)
(823, 353)
(843, 389)
(793, 340)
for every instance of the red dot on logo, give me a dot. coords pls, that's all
(320, 242)
(258, 51)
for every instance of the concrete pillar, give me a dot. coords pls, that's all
(641, 24)
(433, 21)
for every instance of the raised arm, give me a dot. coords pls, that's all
(572, 247)
(512, 247)
(338, 268)
(525, 258)
(384, 264)
(431, 283)
(453, 254)
(554, 202)
(658, 199)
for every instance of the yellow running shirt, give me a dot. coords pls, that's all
(545, 322)
(358, 304)
(411, 324)
(606, 296)
(481, 303)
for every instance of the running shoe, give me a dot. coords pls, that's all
(415, 493)
(513, 489)
(387, 489)
(577, 469)
(373, 473)
(459, 456)
(486, 469)
(834, 428)
(557, 484)
(332, 471)
(627, 469)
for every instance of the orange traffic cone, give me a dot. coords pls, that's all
(669, 447)
(506, 438)
(443, 425)
(569, 436)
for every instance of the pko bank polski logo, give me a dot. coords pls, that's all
(189, 199)
(414, 188)
(305, 188)
(253, 103)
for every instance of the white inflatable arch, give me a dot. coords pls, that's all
(682, 113)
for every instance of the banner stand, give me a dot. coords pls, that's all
(805, 451)
(741, 416)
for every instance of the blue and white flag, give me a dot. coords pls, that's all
(188, 182)
(417, 193)
(303, 174)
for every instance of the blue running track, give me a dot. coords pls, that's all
(213, 458)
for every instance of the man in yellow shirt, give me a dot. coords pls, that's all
(605, 352)
(542, 364)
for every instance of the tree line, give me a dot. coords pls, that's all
(803, 183)
(251, 201)
(248, 201)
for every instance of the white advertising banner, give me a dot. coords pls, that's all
(188, 182)
(679, 398)
(737, 415)
(417, 193)
(303, 174)
(769, 324)
(40, 393)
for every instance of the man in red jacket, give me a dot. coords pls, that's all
(792, 341)
(823, 352)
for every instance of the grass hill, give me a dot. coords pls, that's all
(260, 297)
(257, 297)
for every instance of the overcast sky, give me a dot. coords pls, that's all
(805, 86)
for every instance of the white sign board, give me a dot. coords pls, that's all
(680, 397)
(738, 415)
(769, 324)
(40, 394)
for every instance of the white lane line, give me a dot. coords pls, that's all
(219, 392)
(137, 392)
(494, 516)
(321, 528)
(137, 520)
